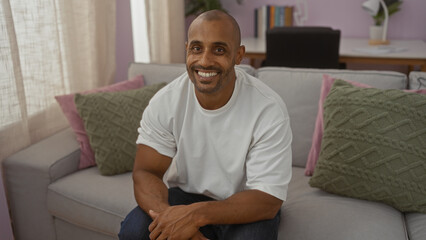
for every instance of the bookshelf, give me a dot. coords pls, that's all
(269, 16)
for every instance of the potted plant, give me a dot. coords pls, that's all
(377, 29)
(393, 7)
(195, 7)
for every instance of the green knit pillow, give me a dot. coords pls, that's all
(374, 146)
(111, 120)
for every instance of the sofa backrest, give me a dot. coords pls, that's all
(299, 88)
(156, 73)
(417, 80)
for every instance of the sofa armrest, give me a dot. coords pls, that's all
(28, 174)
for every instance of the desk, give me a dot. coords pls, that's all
(413, 52)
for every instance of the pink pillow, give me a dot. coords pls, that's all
(66, 102)
(327, 82)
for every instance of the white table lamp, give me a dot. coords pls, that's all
(372, 7)
(301, 13)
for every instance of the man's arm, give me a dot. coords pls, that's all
(243, 207)
(150, 191)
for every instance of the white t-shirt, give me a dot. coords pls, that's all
(245, 144)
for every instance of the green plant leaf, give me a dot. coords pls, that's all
(192, 7)
(392, 8)
(195, 7)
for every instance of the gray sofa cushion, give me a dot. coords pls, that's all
(310, 213)
(68, 231)
(417, 80)
(92, 201)
(300, 90)
(156, 73)
(416, 226)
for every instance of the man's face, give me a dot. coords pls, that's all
(212, 52)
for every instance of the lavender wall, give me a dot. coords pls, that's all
(346, 15)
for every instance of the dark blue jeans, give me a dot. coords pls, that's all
(135, 225)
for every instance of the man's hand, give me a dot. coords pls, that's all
(176, 223)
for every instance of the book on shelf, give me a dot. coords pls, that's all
(270, 16)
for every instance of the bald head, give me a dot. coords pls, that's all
(217, 15)
(212, 51)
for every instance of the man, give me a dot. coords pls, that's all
(220, 139)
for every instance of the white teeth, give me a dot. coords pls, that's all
(207, 74)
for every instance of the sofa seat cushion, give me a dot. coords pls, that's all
(310, 213)
(68, 231)
(416, 223)
(92, 201)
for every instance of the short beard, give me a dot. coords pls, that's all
(224, 78)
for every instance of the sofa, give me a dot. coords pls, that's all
(51, 198)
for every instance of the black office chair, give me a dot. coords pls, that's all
(302, 47)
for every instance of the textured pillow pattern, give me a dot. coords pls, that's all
(314, 152)
(66, 102)
(111, 120)
(374, 146)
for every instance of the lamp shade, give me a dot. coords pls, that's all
(371, 6)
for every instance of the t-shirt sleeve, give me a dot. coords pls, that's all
(156, 131)
(268, 163)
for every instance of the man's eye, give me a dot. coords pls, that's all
(196, 49)
(220, 50)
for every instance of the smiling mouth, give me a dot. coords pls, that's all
(206, 74)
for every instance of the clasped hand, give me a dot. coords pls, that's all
(174, 223)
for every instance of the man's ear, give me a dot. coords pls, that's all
(240, 54)
(186, 45)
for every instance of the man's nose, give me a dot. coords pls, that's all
(205, 59)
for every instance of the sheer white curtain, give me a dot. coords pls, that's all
(48, 48)
(159, 30)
